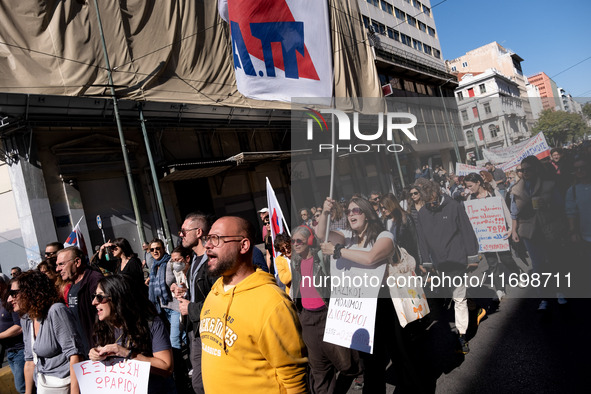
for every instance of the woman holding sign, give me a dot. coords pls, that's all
(311, 299)
(479, 190)
(128, 327)
(52, 342)
(366, 243)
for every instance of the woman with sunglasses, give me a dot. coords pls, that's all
(129, 263)
(365, 242)
(159, 292)
(311, 299)
(400, 224)
(128, 326)
(53, 344)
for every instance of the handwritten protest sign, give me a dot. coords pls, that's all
(113, 376)
(488, 222)
(464, 169)
(536, 146)
(353, 302)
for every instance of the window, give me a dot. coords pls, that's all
(406, 40)
(400, 14)
(470, 136)
(464, 115)
(453, 68)
(409, 86)
(411, 21)
(426, 10)
(437, 53)
(487, 108)
(460, 96)
(431, 31)
(465, 64)
(471, 92)
(417, 45)
(396, 84)
(422, 27)
(482, 88)
(430, 90)
(374, 2)
(421, 88)
(493, 130)
(475, 112)
(480, 134)
(427, 49)
(387, 7)
(366, 22)
(416, 4)
(393, 34)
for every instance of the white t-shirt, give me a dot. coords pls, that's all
(349, 244)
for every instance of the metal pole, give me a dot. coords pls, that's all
(138, 218)
(453, 131)
(155, 180)
(481, 126)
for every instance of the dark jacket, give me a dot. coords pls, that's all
(446, 235)
(87, 311)
(405, 235)
(321, 271)
(202, 286)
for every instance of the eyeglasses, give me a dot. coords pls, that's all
(215, 239)
(354, 211)
(317, 215)
(414, 193)
(297, 242)
(101, 298)
(183, 232)
(13, 293)
(155, 249)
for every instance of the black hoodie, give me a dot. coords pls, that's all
(446, 235)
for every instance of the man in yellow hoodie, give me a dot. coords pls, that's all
(250, 332)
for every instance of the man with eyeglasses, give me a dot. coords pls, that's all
(193, 230)
(71, 265)
(247, 322)
(51, 250)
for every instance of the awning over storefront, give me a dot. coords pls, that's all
(204, 169)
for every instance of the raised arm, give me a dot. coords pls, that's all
(381, 250)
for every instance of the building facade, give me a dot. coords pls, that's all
(410, 66)
(551, 98)
(491, 111)
(505, 61)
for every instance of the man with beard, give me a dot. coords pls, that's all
(194, 229)
(247, 322)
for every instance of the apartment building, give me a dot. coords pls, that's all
(410, 64)
(491, 111)
(504, 60)
(551, 98)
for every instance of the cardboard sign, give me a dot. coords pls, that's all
(353, 301)
(488, 221)
(113, 376)
(465, 169)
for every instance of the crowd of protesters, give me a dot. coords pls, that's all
(247, 318)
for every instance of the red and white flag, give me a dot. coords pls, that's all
(276, 218)
(281, 48)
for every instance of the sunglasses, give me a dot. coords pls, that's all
(49, 254)
(101, 298)
(13, 293)
(354, 211)
(297, 242)
(317, 215)
(414, 193)
(155, 249)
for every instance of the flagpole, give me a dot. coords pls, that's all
(331, 175)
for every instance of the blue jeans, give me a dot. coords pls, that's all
(16, 360)
(176, 335)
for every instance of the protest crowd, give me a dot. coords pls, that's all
(217, 314)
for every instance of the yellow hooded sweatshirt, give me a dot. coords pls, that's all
(252, 339)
